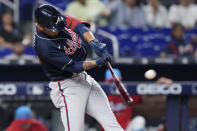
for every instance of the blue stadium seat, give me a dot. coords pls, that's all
(30, 50)
(4, 51)
(147, 52)
(165, 31)
(140, 41)
(189, 34)
(107, 41)
(127, 47)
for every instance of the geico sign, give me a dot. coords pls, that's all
(154, 89)
(7, 89)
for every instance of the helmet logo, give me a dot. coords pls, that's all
(58, 20)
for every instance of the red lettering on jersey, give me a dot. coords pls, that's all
(79, 41)
(66, 50)
(73, 44)
(72, 47)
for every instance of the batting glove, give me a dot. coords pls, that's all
(102, 62)
(108, 57)
(98, 47)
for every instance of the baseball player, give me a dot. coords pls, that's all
(59, 43)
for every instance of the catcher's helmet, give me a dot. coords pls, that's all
(49, 17)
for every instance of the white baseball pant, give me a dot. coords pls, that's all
(79, 95)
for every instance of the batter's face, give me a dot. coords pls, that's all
(46, 31)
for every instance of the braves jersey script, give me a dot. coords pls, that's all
(55, 53)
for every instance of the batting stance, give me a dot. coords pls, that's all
(59, 43)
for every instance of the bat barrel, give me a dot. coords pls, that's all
(123, 92)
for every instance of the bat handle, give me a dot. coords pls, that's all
(109, 66)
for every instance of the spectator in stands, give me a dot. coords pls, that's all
(10, 33)
(184, 13)
(126, 13)
(86, 10)
(156, 14)
(18, 56)
(108, 2)
(24, 121)
(194, 44)
(178, 45)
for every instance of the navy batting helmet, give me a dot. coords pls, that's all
(49, 17)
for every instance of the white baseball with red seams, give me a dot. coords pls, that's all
(79, 95)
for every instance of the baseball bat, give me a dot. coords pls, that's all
(123, 92)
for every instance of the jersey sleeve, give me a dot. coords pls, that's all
(58, 59)
(64, 63)
(53, 56)
(72, 22)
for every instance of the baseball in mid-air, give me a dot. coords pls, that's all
(150, 74)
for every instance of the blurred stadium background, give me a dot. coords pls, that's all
(140, 35)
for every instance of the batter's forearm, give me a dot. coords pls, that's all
(88, 36)
(84, 32)
(89, 64)
(98, 47)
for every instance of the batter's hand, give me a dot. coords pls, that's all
(108, 57)
(102, 62)
(99, 48)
